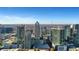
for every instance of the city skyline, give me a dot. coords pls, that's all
(44, 15)
(49, 38)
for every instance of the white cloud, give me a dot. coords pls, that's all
(32, 20)
(21, 20)
(16, 20)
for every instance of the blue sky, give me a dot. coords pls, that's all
(45, 15)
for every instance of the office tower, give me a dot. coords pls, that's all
(27, 40)
(76, 39)
(72, 29)
(61, 36)
(77, 28)
(37, 30)
(20, 35)
(72, 32)
(55, 36)
(66, 32)
(37, 34)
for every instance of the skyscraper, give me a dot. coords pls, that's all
(37, 29)
(20, 35)
(66, 32)
(55, 36)
(62, 36)
(27, 40)
(37, 34)
(76, 40)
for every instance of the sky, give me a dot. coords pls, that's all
(44, 15)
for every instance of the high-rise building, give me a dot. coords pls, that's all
(20, 35)
(62, 36)
(66, 32)
(37, 34)
(37, 29)
(76, 39)
(55, 36)
(77, 28)
(27, 40)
